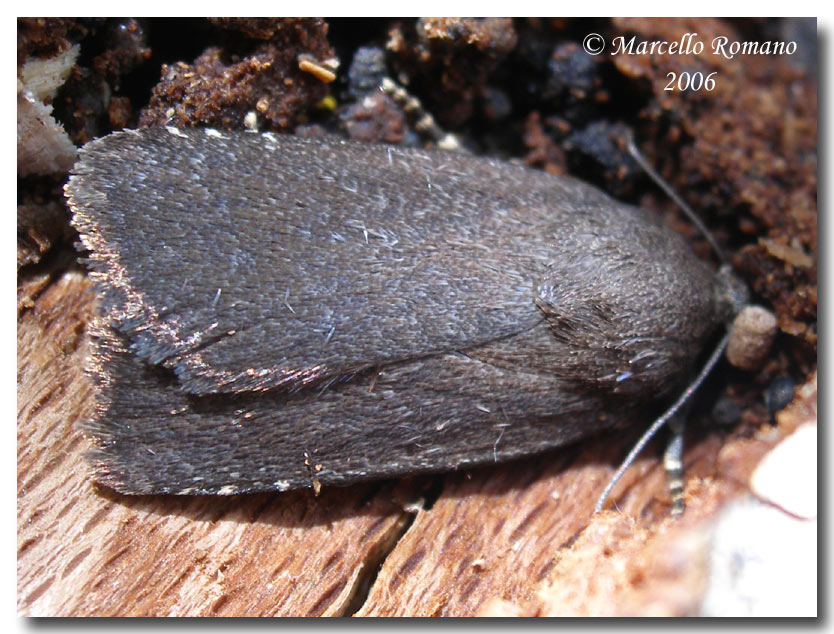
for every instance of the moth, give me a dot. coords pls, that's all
(279, 312)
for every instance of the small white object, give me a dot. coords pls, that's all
(787, 476)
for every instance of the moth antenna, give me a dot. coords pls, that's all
(673, 457)
(424, 122)
(666, 187)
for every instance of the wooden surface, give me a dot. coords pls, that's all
(489, 542)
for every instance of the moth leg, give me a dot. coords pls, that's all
(673, 412)
(673, 463)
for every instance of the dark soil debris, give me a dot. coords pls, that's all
(46, 37)
(376, 118)
(450, 59)
(218, 91)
